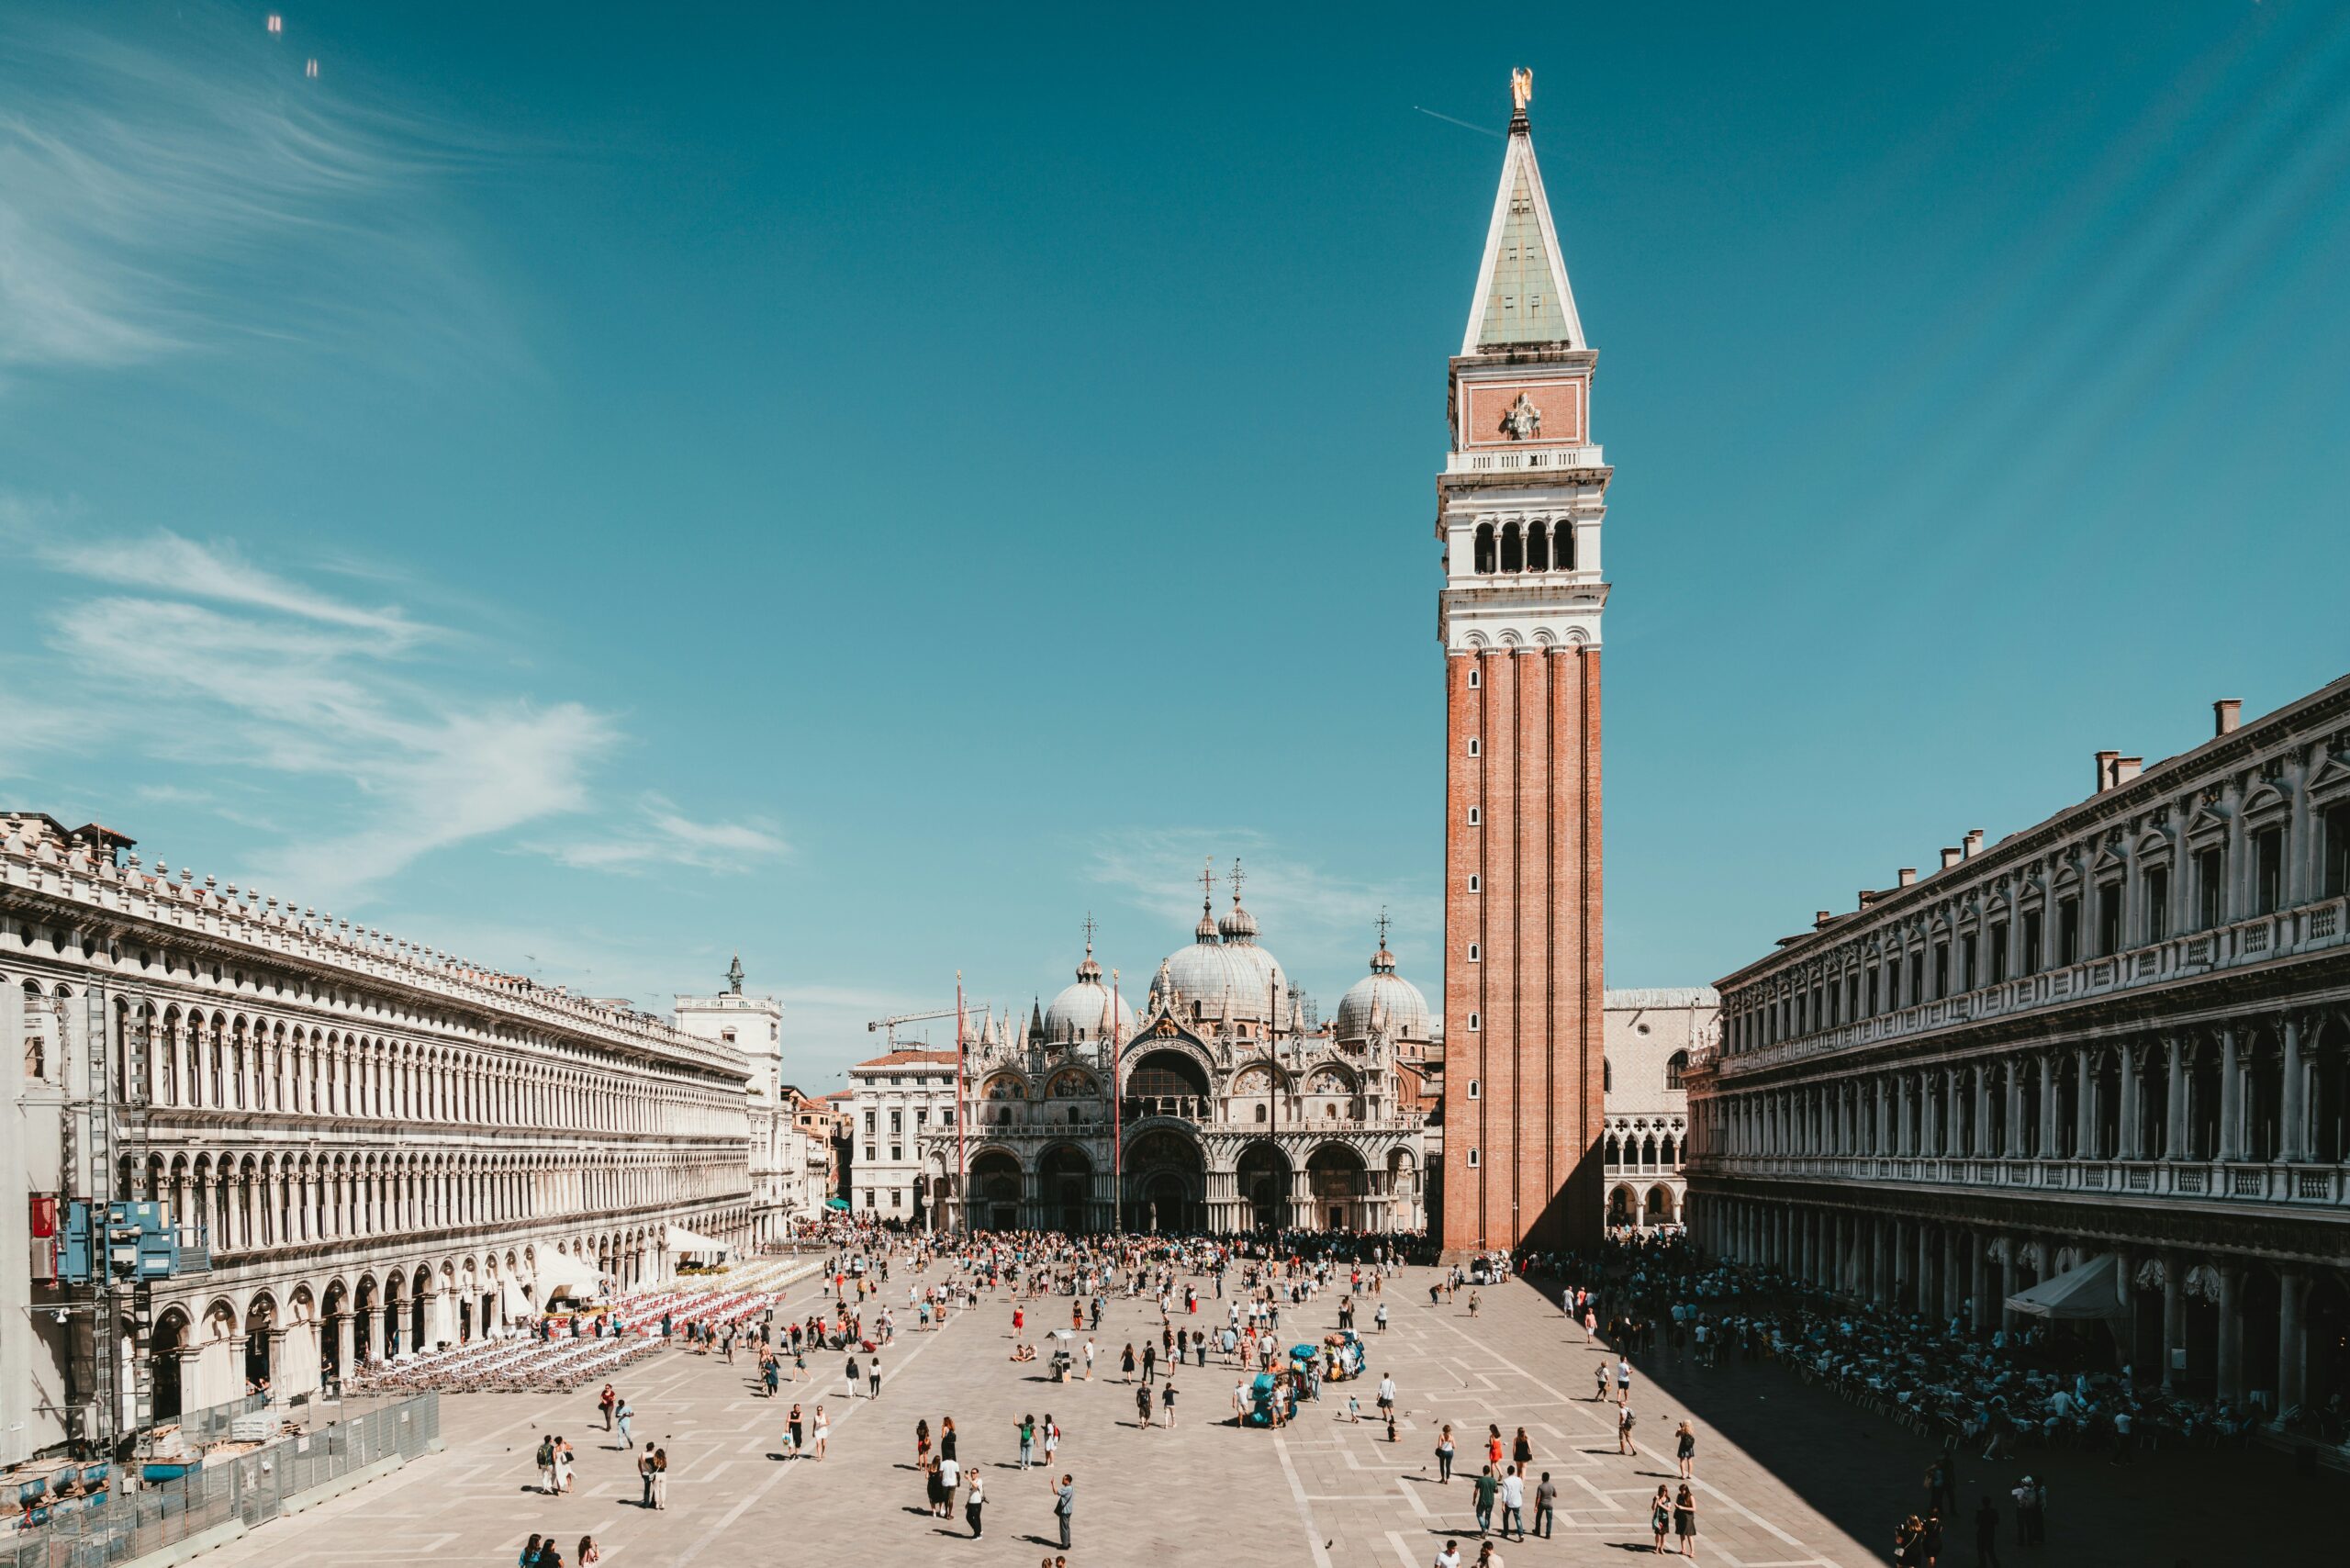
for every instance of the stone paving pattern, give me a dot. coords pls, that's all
(1789, 1476)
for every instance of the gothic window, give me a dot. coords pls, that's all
(1538, 547)
(1675, 1067)
(1484, 561)
(1512, 549)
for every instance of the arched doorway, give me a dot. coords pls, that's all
(260, 1330)
(1660, 1209)
(1264, 1185)
(995, 1191)
(1335, 1172)
(421, 1288)
(1623, 1207)
(163, 1348)
(362, 1322)
(1165, 1184)
(337, 1303)
(1065, 1188)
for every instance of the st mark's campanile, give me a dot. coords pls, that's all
(1518, 511)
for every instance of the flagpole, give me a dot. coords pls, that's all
(1117, 1120)
(962, 1115)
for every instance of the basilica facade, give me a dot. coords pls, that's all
(1218, 1105)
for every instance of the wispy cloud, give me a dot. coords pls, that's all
(345, 720)
(661, 836)
(177, 192)
(218, 572)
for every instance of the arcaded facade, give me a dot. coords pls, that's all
(2113, 1048)
(378, 1145)
(1652, 1038)
(1233, 1114)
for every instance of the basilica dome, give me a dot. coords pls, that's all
(1085, 1009)
(1384, 1000)
(1224, 972)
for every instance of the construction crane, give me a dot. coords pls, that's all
(889, 1026)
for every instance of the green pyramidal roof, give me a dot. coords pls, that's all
(1522, 293)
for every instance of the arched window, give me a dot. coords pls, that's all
(1606, 1075)
(1562, 547)
(1538, 547)
(1676, 1069)
(1512, 549)
(1485, 562)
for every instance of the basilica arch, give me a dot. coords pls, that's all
(1165, 1181)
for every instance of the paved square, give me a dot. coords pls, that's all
(1323, 1490)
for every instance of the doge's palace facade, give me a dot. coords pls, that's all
(380, 1146)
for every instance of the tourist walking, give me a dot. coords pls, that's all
(1545, 1505)
(1624, 1430)
(798, 1436)
(1142, 1405)
(622, 1415)
(852, 1374)
(1444, 1457)
(644, 1474)
(1489, 1491)
(1514, 1503)
(873, 1376)
(1167, 1404)
(819, 1433)
(661, 1480)
(973, 1502)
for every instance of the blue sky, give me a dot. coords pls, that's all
(593, 490)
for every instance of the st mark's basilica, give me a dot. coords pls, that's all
(1239, 1111)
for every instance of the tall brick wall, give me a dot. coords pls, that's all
(1537, 988)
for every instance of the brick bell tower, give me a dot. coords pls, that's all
(1518, 510)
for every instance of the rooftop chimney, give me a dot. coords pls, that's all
(1868, 897)
(2226, 715)
(2105, 761)
(1974, 842)
(1821, 918)
(2128, 767)
(1951, 855)
(1907, 876)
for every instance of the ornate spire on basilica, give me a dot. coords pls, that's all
(1238, 926)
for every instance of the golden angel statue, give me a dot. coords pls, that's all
(1521, 87)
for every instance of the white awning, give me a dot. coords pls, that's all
(2091, 1291)
(561, 1275)
(510, 1301)
(684, 1243)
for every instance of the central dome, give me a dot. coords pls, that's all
(1223, 973)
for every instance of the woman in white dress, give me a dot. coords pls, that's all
(823, 1430)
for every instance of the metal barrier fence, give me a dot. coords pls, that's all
(211, 1423)
(252, 1487)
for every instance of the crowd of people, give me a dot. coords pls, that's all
(1993, 1390)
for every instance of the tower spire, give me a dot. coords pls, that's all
(1522, 296)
